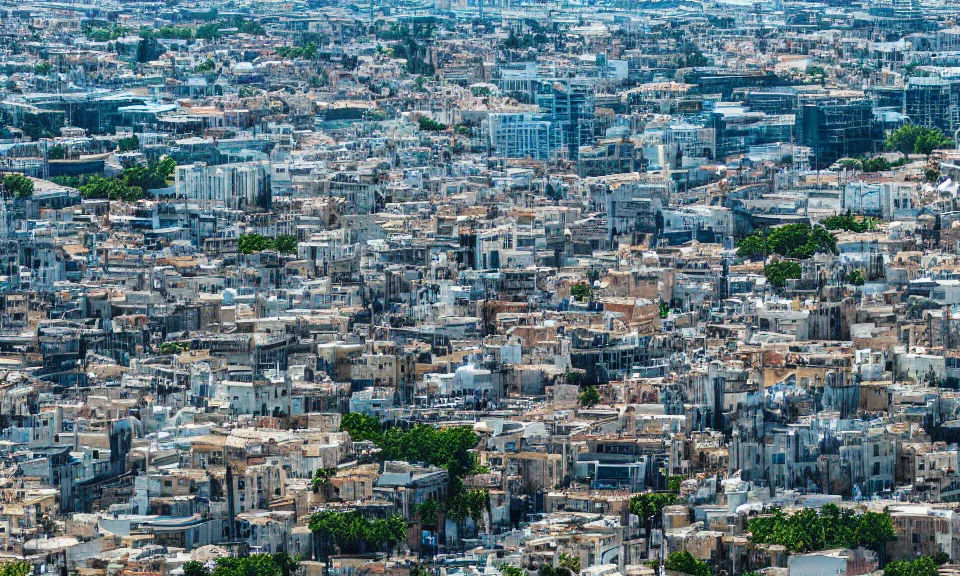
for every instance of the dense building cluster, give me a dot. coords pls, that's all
(479, 288)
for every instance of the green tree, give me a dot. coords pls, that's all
(875, 530)
(194, 568)
(570, 562)
(167, 33)
(478, 501)
(15, 568)
(208, 32)
(430, 125)
(18, 186)
(790, 240)
(589, 397)
(684, 562)
(850, 163)
(428, 512)
(799, 240)
(42, 69)
(249, 27)
(467, 504)
(821, 241)
(322, 476)
(931, 140)
(207, 65)
(71, 181)
(286, 244)
(105, 33)
(253, 565)
(856, 278)
(922, 566)
(288, 564)
(878, 164)
(778, 272)
(808, 530)
(99, 187)
(752, 247)
(695, 59)
(664, 309)
(56, 153)
(361, 427)
(581, 291)
(913, 139)
(848, 222)
(673, 483)
(253, 242)
(352, 533)
(172, 348)
(128, 144)
(447, 448)
(163, 170)
(648, 506)
(904, 139)
(508, 570)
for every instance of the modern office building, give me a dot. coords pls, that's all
(835, 125)
(932, 102)
(234, 185)
(519, 135)
(570, 108)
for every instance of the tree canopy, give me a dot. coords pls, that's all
(18, 186)
(581, 291)
(777, 273)
(128, 144)
(809, 530)
(99, 187)
(194, 568)
(353, 533)
(253, 242)
(922, 566)
(570, 562)
(428, 513)
(361, 427)
(791, 240)
(447, 448)
(431, 125)
(589, 397)
(856, 277)
(684, 562)
(913, 139)
(322, 476)
(649, 506)
(279, 564)
(849, 222)
(15, 568)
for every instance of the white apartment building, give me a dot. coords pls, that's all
(235, 186)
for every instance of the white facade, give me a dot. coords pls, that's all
(232, 185)
(519, 136)
(887, 200)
